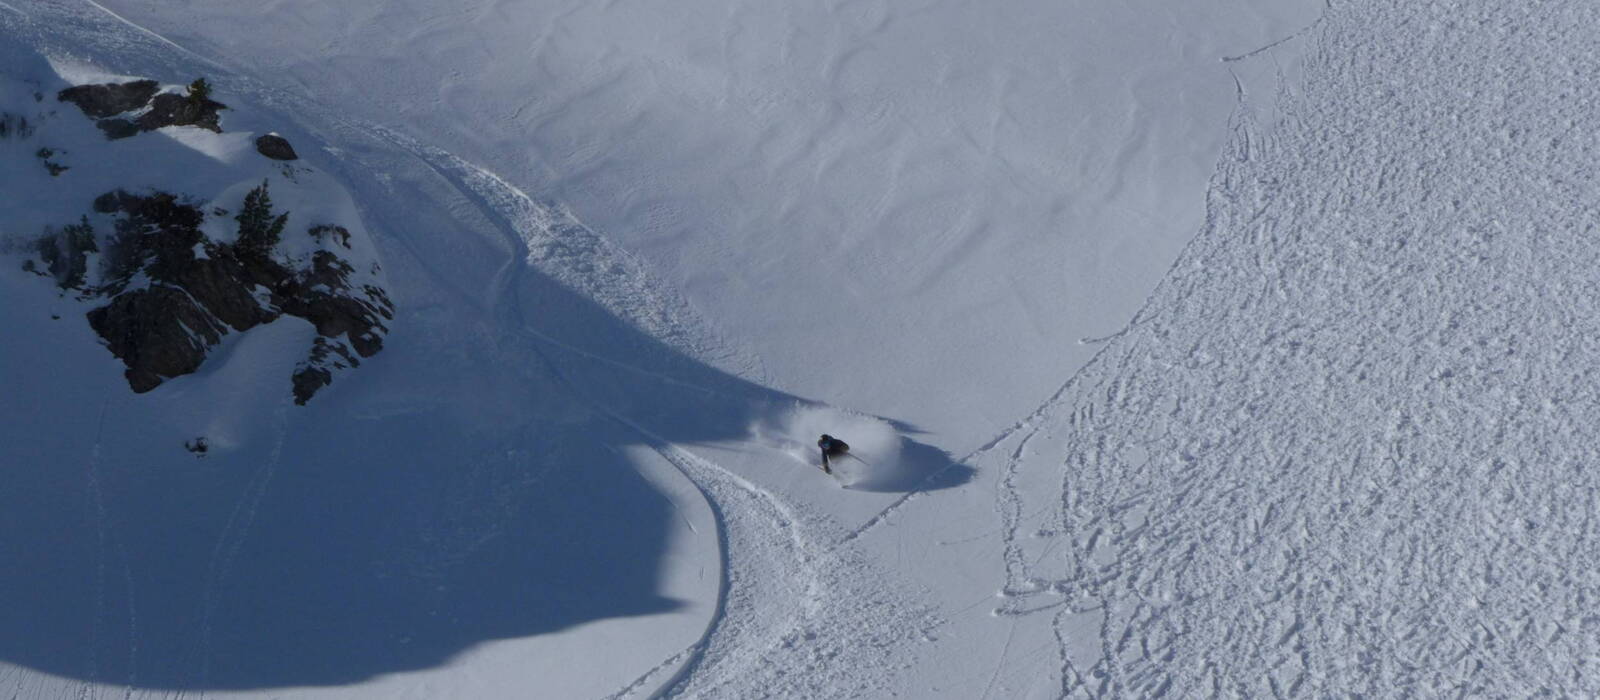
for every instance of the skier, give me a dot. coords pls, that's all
(831, 447)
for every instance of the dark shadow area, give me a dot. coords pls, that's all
(352, 557)
(469, 483)
(921, 468)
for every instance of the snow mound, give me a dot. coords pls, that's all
(875, 447)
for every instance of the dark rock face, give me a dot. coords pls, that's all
(105, 102)
(159, 332)
(164, 293)
(191, 300)
(118, 128)
(326, 234)
(110, 99)
(275, 147)
(168, 109)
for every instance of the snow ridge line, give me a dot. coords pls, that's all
(551, 239)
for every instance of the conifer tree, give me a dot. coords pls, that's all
(259, 230)
(199, 91)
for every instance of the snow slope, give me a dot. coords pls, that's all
(1339, 449)
(1347, 447)
(483, 489)
(922, 188)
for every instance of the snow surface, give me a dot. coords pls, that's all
(1333, 435)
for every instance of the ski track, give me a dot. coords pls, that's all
(1347, 446)
(233, 535)
(762, 618)
(787, 608)
(97, 504)
(769, 636)
(797, 618)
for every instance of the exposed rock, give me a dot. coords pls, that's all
(168, 109)
(165, 329)
(117, 128)
(275, 147)
(44, 155)
(322, 296)
(325, 233)
(165, 294)
(105, 102)
(317, 370)
(110, 99)
(159, 332)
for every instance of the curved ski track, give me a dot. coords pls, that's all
(787, 608)
(794, 618)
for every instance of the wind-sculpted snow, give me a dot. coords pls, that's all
(1349, 445)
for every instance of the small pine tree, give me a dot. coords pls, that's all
(259, 230)
(199, 91)
(79, 237)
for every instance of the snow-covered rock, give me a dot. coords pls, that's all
(163, 292)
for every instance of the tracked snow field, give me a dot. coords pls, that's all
(1349, 445)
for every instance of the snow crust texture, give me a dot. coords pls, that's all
(1349, 445)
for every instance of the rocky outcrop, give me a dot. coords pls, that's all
(126, 109)
(110, 99)
(168, 109)
(159, 332)
(275, 147)
(159, 291)
(174, 294)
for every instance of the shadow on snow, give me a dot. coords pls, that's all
(472, 482)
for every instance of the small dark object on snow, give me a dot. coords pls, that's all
(831, 447)
(198, 446)
(275, 147)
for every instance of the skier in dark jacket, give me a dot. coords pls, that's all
(831, 447)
